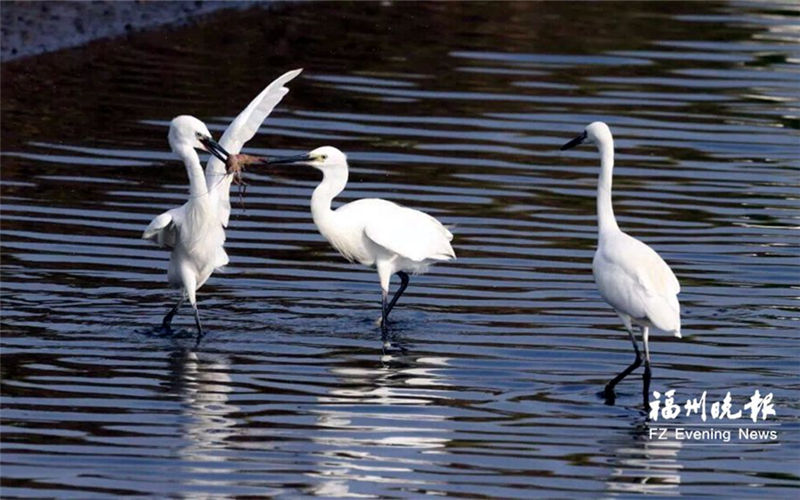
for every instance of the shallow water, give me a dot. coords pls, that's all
(457, 109)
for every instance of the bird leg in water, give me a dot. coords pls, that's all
(647, 374)
(235, 165)
(608, 393)
(167, 322)
(386, 308)
(197, 322)
(403, 284)
(384, 313)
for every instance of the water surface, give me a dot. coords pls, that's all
(457, 109)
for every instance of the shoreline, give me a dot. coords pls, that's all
(30, 29)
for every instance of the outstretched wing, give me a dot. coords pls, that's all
(410, 233)
(163, 230)
(241, 130)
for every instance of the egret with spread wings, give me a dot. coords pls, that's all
(195, 231)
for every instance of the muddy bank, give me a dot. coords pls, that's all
(31, 28)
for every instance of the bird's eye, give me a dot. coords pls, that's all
(324, 157)
(198, 135)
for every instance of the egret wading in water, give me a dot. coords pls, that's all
(630, 275)
(372, 231)
(195, 231)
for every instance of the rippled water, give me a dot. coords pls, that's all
(458, 109)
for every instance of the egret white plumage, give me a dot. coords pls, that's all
(371, 231)
(241, 130)
(630, 275)
(195, 231)
(192, 231)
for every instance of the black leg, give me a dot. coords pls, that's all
(608, 393)
(646, 385)
(384, 313)
(197, 322)
(403, 284)
(646, 376)
(167, 321)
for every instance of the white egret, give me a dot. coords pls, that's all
(630, 275)
(195, 231)
(192, 231)
(372, 231)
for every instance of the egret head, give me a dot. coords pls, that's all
(188, 131)
(595, 133)
(324, 158)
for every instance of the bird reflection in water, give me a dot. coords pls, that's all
(644, 465)
(385, 409)
(204, 384)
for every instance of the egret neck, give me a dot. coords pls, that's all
(197, 180)
(333, 182)
(605, 212)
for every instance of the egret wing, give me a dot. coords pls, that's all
(241, 130)
(634, 279)
(163, 230)
(410, 233)
(660, 288)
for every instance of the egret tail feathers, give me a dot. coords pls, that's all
(664, 313)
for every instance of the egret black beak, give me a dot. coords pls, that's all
(289, 159)
(215, 149)
(574, 142)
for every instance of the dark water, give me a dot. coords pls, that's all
(457, 109)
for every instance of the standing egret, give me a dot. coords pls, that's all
(195, 231)
(630, 275)
(192, 231)
(371, 231)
